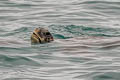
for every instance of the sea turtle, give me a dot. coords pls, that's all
(41, 35)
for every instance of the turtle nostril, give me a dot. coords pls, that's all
(48, 39)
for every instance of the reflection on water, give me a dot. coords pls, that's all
(86, 45)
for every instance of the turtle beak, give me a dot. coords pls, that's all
(51, 39)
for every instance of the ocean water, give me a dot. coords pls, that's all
(86, 46)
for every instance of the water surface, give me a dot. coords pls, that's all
(86, 46)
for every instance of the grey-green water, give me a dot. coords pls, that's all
(86, 46)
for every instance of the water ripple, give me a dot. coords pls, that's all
(86, 45)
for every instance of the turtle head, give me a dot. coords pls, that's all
(41, 35)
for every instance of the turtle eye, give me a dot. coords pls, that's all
(47, 33)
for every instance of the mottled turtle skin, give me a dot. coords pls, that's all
(41, 35)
